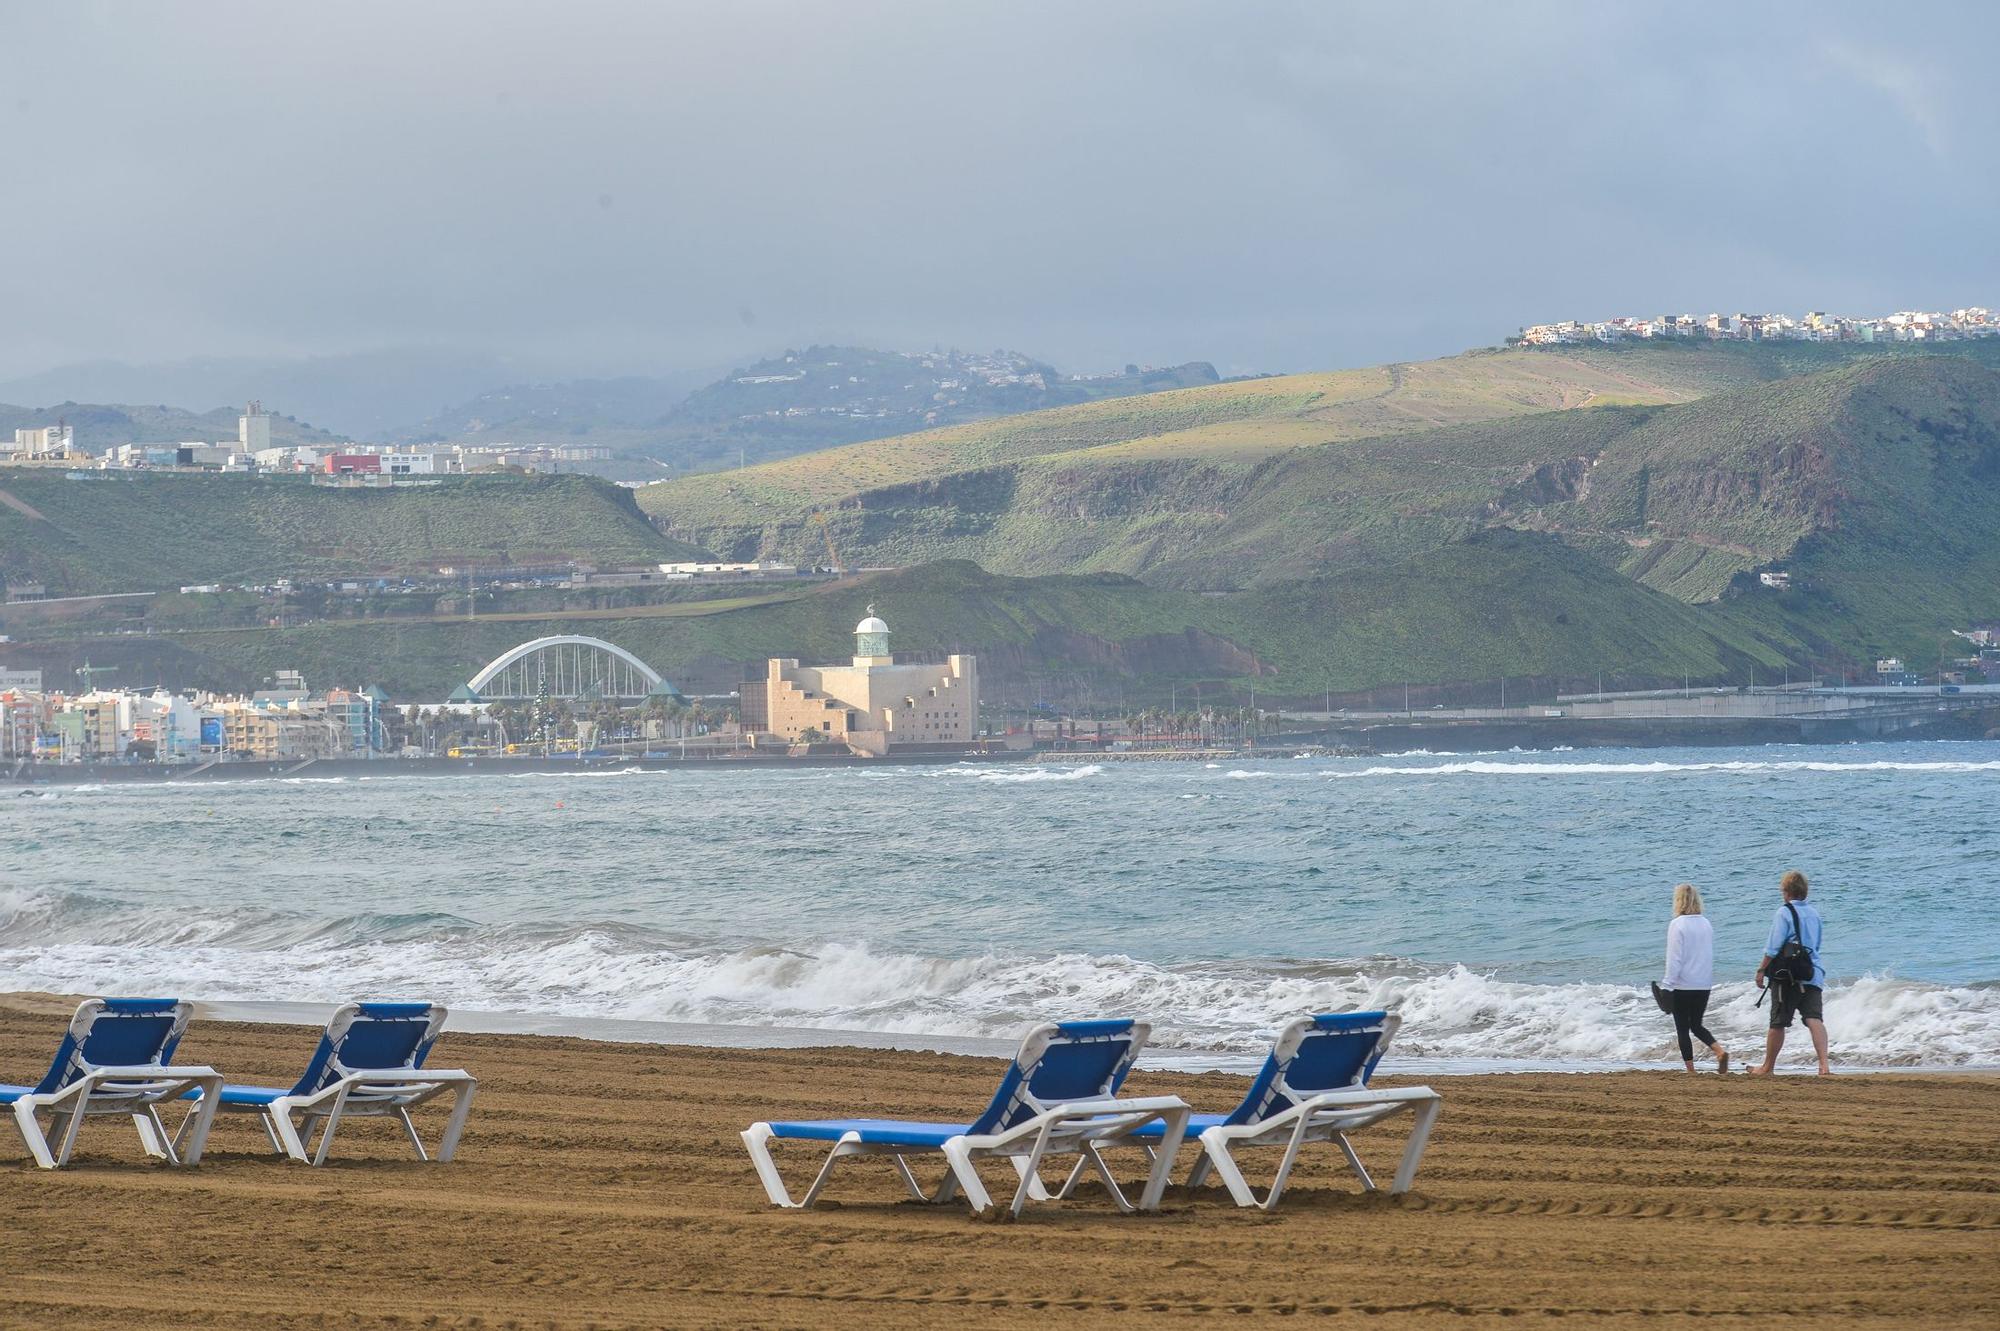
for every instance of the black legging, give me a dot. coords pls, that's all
(1689, 1006)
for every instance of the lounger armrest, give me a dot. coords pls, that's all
(333, 1090)
(1127, 1115)
(1364, 1097)
(207, 1080)
(1329, 1100)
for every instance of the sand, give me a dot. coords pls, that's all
(603, 1186)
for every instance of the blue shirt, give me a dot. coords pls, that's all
(1809, 928)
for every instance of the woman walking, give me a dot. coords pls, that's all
(1691, 974)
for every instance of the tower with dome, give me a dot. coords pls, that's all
(872, 705)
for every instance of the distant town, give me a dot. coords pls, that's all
(253, 451)
(1814, 326)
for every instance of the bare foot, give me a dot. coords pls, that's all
(1825, 1071)
(1722, 1061)
(1762, 1072)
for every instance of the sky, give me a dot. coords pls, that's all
(596, 188)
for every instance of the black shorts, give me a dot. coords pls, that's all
(1786, 999)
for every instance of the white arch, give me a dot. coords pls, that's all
(499, 663)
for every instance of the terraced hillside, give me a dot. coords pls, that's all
(115, 531)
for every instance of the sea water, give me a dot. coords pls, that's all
(1512, 906)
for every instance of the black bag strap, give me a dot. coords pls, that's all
(1799, 931)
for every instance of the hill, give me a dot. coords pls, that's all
(799, 402)
(1506, 603)
(124, 531)
(102, 426)
(1234, 422)
(1872, 483)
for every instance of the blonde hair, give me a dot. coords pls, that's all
(1687, 899)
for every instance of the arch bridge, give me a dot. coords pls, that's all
(566, 666)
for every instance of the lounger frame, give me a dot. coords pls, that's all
(1317, 1114)
(1033, 1130)
(1082, 1127)
(343, 1092)
(135, 1090)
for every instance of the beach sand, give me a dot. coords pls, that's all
(604, 1186)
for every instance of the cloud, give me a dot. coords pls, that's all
(606, 188)
(1916, 94)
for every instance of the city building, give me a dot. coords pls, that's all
(253, 429)
(871, 705)
(48, 441)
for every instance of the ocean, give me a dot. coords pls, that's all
(1512, 906)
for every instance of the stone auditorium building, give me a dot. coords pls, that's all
(873, 704)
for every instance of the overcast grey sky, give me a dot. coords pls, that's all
(617, 187)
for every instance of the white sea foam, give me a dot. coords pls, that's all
(609, 971)
(1482, 767)
(1043, 774)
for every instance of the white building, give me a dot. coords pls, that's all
(253, 429)
(48, 441)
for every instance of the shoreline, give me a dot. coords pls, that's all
(604, 1185)
(722, 1035)
(1434, 740)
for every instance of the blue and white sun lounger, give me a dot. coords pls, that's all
(369, 1064)
(1059, 1097)
(113, 1060)
(1313, 1087)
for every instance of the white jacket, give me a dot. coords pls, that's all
(1690, 953)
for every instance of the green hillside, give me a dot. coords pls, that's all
(1504, 604)
(120, 531)
(1243, 422)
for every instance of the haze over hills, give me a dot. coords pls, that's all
(359, 395)
(100, 426)
(797, 402)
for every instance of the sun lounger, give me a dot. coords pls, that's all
(369, 1064)
(1313, 1087)
(113, 1060)
(1059, 1097)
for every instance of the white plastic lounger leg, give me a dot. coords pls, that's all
(1028, 1167)
(1215, 1150)
(410, 1129)
(72, 1128)
(1037, 1190)
(758, 1139)
(1163, 1159)
(1413, 1152)
(332, 1122)
(959, 1156)
(154, 1139)
(454, 1128)
(278, 1122)
(1290, 1158)
(31, 1133)
(1354, 1161)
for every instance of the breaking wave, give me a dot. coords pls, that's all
(71, 944)
(1485, 767)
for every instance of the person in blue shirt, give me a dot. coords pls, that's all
(1788, 1000)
